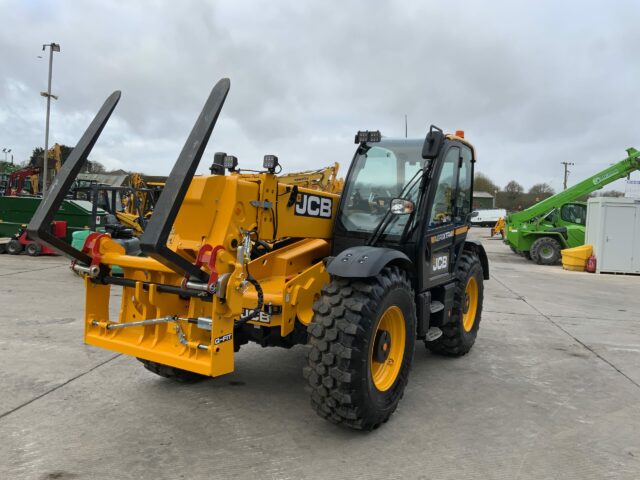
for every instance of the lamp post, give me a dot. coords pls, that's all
(53, 47)
(6, 152)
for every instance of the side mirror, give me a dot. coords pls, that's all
(401, 206)
(433, 143)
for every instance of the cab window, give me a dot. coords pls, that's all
(442, 210)
(463, 197)
(574, 213)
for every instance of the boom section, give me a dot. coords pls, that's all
(591, 184)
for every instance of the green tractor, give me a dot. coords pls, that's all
(541, 231)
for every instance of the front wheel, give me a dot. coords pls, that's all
(545, 251)
(459, 334)
(33, 249)
(14, 247)
(361, 342)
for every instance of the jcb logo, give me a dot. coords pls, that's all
(313, 206)
(440, 262)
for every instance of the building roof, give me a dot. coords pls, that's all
(115, 180)
(482, 195)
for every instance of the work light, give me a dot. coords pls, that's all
(366, 136)
(230, 162)
(270, 162)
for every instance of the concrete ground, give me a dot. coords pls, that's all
(550, 390)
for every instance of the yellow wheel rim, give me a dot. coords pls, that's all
(387, 348)
(470, 305)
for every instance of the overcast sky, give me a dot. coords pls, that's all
(531, 83)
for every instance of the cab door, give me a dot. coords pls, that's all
(447, 216)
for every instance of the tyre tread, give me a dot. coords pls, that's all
(172, 373)
(452, 342)
(336, 355)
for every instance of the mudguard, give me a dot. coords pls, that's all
(476, 246)
(364, 261)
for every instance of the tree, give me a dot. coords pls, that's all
(65, 151)
(90, 167)
(8, 167)
(607, 193)
(93, 167)
(541, 189)
(482, 183)
(513, 188)
(38, 154)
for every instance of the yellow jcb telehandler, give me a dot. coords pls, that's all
(357, 277)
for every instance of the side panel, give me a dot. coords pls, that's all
(635, 241)
(441, 250)
(575, 235)
(304, 212)
(619, 224)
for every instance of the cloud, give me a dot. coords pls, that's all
(532, 83)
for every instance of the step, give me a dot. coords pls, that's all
(433, 333)
(436, 306)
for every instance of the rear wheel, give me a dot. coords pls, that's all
(14, 247)
(33, 249)
(361, 342)
(545, 251)
(459, 334)
(177, 374)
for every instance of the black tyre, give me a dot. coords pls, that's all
(14, 247)
(546, 251)
(33, 249)
(459, 334)
(177, 374)
(361, 342)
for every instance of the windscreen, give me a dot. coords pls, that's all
(386, 170)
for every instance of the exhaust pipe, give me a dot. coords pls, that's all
(39, 226)
(153, 241)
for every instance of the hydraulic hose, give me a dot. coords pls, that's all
(256, 311)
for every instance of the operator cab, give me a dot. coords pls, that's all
(399, 193)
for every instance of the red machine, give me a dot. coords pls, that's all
(15, 183)
(20, 241)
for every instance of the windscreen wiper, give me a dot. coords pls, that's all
(384, 221)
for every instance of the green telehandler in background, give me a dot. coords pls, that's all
(541, 231)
